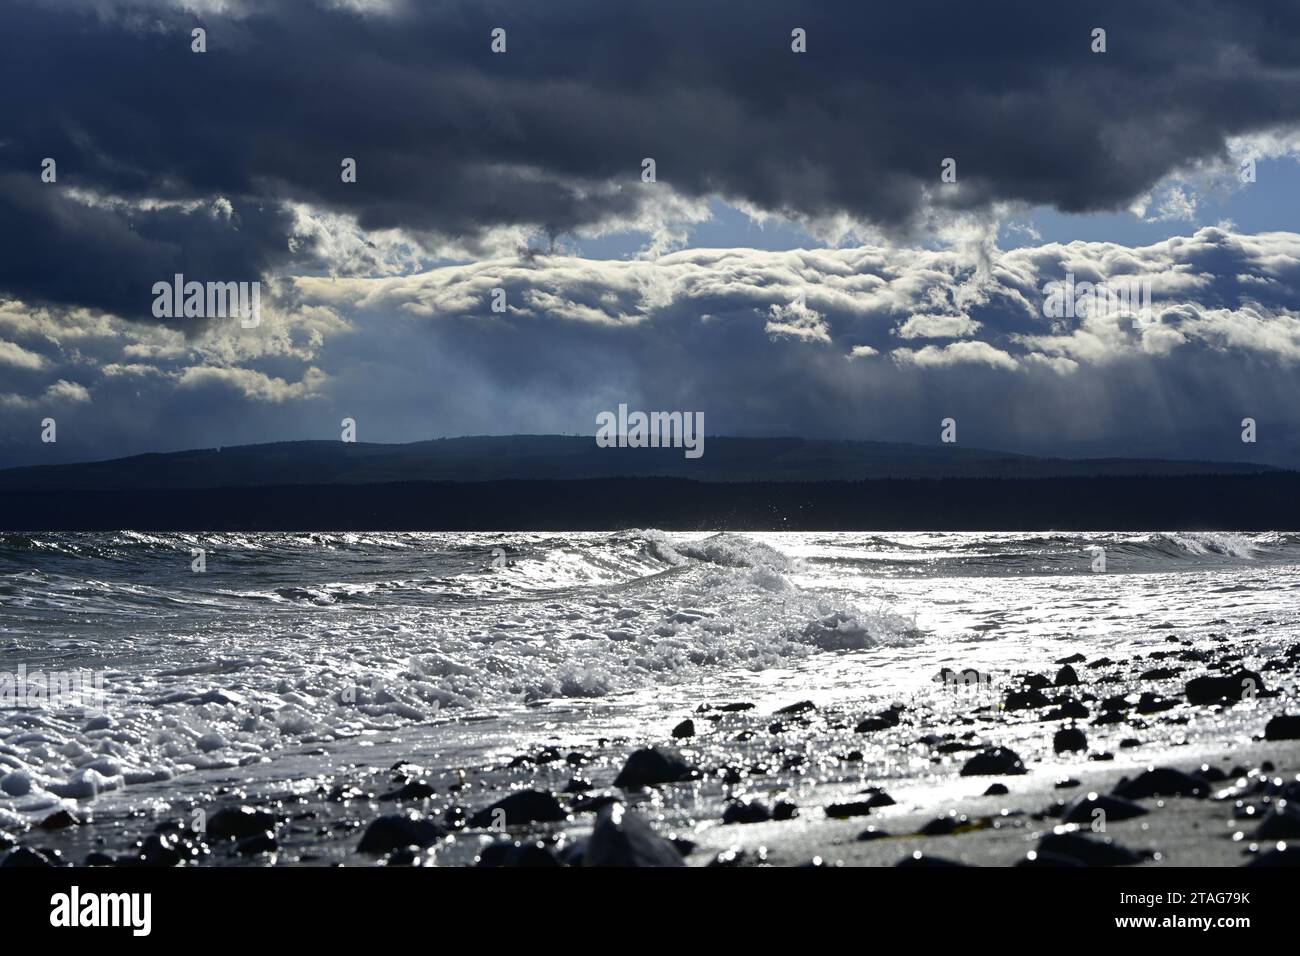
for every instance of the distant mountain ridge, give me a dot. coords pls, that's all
(560, 457)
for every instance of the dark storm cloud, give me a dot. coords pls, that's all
(82, 252)
(453, 141)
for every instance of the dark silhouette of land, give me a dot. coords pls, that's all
(559, 483)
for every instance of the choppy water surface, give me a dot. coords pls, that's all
(333, 641)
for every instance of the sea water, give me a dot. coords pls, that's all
(290, 651)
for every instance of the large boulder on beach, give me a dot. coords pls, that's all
(400, 830)
(1069, 740)
(1083, 809)
(238, 823)
(1283, 727)
(746, 811)
(1286, 854)
(995, 761)
(526, 806)
(1162, 782)
(1280, 823)
(528, 854)
(1230, 688)
(622, 837)
(1025, 700)
(655, 765)
(1090, 851)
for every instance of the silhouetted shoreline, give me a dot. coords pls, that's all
(1249, 502)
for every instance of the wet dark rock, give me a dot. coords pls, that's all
(1102, 662)
(525, 806)
(785, 810)
(261, 843)
(1066, 783)
(996, 761)
(456, 817)
(735, 708)
(578, 785)
(746, 811)
(576, 758)
(524, 854)
(415, 790)
(1090, 851)
(27, 857)
(685, 729)
(397, 830)
(1129, 742)
(1162, 782)
(842, 811)
(1066, 677)
(403, 857)
(683, 846)
(1152, 703)
(59, 820)
(1025, 700)
(877, 797)
(871, 833)
(945, 825)
(622, 837)
(997, 790)
(655, 765)
(548, 755)
(236, 823)
(1231, 688)
(1083, 808)
(802, 707)
(1068, 709)
(1073, 659)
(1283, 727)
(1281, 823)
(1069, 739)
(1160, 673)
(1287, 855)
(160, 850)
(882, 721)
(1035, 681)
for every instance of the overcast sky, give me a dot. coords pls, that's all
(798, 266)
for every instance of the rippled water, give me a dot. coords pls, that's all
(293, 639)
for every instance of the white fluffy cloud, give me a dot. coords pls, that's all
(756, 339)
